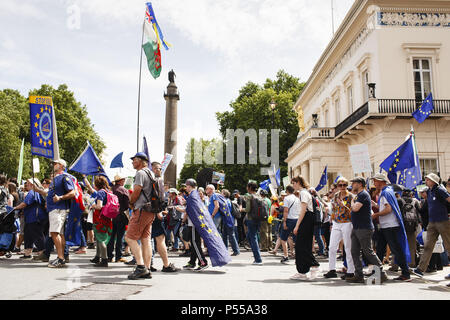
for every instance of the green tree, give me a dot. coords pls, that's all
(251, 110)
(73, 125)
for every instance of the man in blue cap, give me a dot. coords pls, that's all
(139, 226)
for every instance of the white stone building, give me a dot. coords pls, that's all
(402, 49)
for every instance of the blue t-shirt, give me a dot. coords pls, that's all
(211, 205)
(437, 204)
(101, 195)
(60, 185)
(362, 219)
(34, 211)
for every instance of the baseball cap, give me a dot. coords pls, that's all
(140, 155)
(60, 161)
(359, 180)
(191, 182)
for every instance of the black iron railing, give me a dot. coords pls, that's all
(351, 119)
(405, 106)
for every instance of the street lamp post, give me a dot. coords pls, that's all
(272, 106)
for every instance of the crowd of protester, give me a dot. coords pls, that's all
(364, 227)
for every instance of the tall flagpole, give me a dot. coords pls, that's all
(139, 90)
(332, 16)
(437, 149)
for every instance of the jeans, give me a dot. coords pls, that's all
(49, 245)
(228, 233)
(218, 222)
(116, 240)
(392, 235)
(252, 236)
(318, 237)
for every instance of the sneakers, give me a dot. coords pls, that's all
(132, 262)
(40, 258)
(91, 246)
(57, 263)
(330, 274)
(284, 260)
(103, 263)
(201, 268)
(394, 269)
(152, 269)
(347, 275)
(140, 272)
(299, 276)
(170, 268)
(418, 272)
(405, 278)
(314, 272)
(121, 260)
(189, 266)
(234, 254)
(95, 260)
(355, 279)
(257, 263)
(25, 257)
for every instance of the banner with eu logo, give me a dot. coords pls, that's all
(41, 123)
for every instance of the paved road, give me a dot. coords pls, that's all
(239, 280)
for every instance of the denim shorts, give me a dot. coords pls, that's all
(290, 224)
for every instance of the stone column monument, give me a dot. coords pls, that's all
(170, 139)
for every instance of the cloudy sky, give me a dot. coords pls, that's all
(94, 47)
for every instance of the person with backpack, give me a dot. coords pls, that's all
(102, 225)
(229, 225)
(438, 200)
(411, 221)
(254, 209)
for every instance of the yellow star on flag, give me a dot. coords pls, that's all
(203, 225)
(209, 230)
(42, 110)
(37, 115)
(49, 142)
(35, 124)
(37, 134)
(200, 217)
(45, 143)
(40, 141)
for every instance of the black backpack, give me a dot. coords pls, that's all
(155, 203)
(410, 218)
(236, 213)
(317, 212)
(258, 210)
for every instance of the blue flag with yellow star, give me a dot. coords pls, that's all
(323, 180)
(399, 160)
(204, 224)
(424, 110)
(88, 163)
(41, 125)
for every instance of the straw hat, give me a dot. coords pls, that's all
(119, 177)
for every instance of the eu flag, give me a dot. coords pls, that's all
(203, 222)
(399, 160)
(265, 184)
(117, 161)
(323, 180)
(41, 126)
(424, 110)
(88, 163)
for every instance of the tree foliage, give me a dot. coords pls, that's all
(251, 110)
(73, 125)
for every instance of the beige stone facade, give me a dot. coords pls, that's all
(402, 49)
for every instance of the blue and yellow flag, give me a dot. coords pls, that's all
(41, 123)
(323, 180)
(88, 163)
(401, 159)
(424, 110)
(203, 222)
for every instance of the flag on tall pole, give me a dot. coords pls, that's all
(402, 158)
(20, 170)
(88, 163)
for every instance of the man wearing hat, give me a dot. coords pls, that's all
(120, 222)
(391, 224)
(139, 227)
(362, 231)
(438, 199)
(60, 192)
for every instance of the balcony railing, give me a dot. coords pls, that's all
(351, 119)
(406, 106)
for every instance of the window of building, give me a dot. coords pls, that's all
(365, 82)
(337, 107)
(350, 99)
(428, 166)
(422, 78)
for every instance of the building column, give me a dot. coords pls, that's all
(315, 172)
(305, 170)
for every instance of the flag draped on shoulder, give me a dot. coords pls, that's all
(424, 111)
(153, 40)
(73, 224)
(202, 220)
(389, 195)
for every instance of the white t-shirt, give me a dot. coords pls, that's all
(389, 220)
(292, 202)
(306, 197)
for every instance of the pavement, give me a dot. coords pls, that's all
(239, 280)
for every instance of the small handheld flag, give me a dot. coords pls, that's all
(42, 126)
(117, 161)
(88, 163)
(424, 110)
(323, 180)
